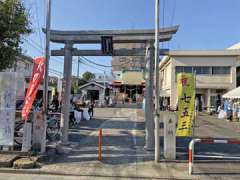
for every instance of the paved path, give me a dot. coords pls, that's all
(219, 128)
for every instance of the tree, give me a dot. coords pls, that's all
(81, 82)
(76, 83)
(87, 76)
(14, 23)
(74, 86)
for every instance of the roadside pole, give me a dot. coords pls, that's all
(195, 108)
(104, 84)
(136, 94)
(78, 67)
(156, 114)
(47, 57)
(78, 76)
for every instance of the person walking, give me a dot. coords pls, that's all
(229, 110)
(55, 104)
(196, 106)
(91, 109)
(165, 104)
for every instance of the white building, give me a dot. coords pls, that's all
(103, 78)
(216, 73)
(117, 75)
(23, 65)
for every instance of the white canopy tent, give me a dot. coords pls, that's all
(233, 94)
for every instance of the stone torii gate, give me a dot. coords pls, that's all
(69, 38)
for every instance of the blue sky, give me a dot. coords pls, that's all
(204, 24)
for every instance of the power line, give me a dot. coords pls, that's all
(88, 60)
(163, 17)
(173, 16)
(38, 48)
(52, 72)
(174, 10)
(55, 71)
(38, 24)
(34, 45)
(163, 3)
(84, 63)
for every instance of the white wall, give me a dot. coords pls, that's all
(117, 75)
(204, 82)
(204, 61)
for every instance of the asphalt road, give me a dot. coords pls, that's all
(125, 158)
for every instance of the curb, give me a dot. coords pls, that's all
(39, 172)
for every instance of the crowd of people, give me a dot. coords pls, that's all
(79, 110)
(229, 109)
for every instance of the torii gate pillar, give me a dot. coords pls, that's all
(66, 92)
(149, 108)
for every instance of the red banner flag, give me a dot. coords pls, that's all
(36, 78)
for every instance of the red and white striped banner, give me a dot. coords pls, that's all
(36, 78)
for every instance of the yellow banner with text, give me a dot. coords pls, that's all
(186, 98)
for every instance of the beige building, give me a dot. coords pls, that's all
(120, 63)
(216, 73)
(129, 86)
(128, 72)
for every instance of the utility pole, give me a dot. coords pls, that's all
(78, 76)
(156, 115)
(104, 84)
(79, 60)
(47, 57)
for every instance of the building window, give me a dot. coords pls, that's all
(220, 70)
(202, 70)
(187, 69)
(179, 69)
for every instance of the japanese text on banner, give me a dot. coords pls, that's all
(186, 98)
(36, 78)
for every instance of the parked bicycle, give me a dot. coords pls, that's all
(52, 131)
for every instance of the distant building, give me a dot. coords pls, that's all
(92, 91)
(128, 72)
(130, 86)
(120, 63)
(23, 65)
(102, 78)
(216, 73)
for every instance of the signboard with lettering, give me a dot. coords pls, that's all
(38, 130)
(169, 120)
(107, 45)
(7, 107)
(186, 98)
